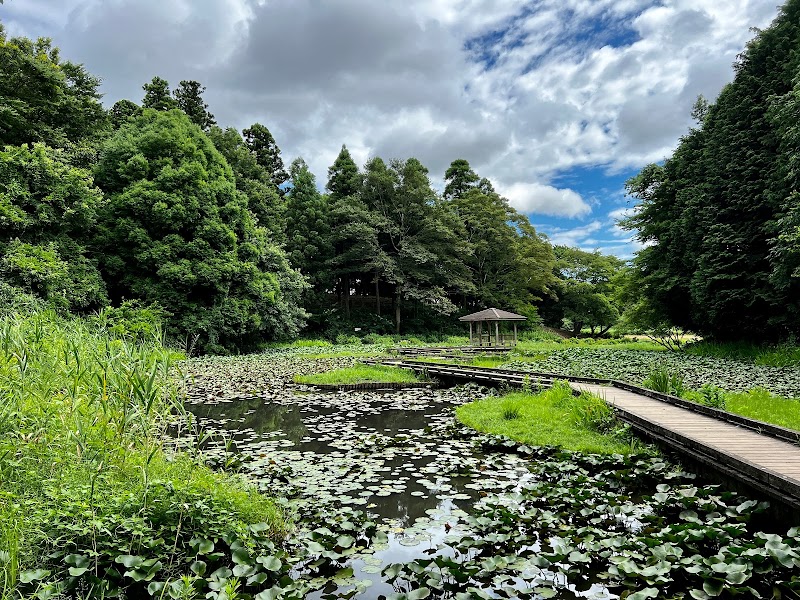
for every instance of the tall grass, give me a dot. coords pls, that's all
(360, 374)
(83, 422)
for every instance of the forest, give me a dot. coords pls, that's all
(153, 209)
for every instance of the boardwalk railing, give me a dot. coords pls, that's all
(761, 455)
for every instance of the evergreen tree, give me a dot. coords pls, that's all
(253, 180)
(157, 95)
(267, 154)
(716, 215)
(307, 234)
(189, 98)
(122, 111)
(459, 178)
(344, 180)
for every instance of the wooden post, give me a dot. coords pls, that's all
(515, 334)
(470, 333)
(497, 333)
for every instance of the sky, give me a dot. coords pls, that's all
(557, 102)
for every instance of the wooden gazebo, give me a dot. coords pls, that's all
(489, 316)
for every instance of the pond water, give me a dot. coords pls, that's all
(441, 511)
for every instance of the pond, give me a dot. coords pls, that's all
(394, 499)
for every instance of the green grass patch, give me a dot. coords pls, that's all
(759, 404)
(554, 417)
(360, 374)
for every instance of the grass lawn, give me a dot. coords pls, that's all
(761, 405)
(551, 418)
(360, 374)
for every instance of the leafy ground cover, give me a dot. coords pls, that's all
(785, 355)
(554, 417)
(396, 500)
(635, 366)
(361, 373)
(94, 502)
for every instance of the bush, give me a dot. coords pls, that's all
(344, 340)
(133, 321)
(661, 379)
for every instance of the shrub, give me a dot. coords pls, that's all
(344, 339)
(661, 379)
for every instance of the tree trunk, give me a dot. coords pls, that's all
(378, 296)
(397, 313)
(347, 297)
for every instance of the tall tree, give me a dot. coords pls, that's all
(417, 252)
(715, 215)
(307, 233)
(253, 180)
(352, 236)
(179, 233)
(189, 98)
(44, 99)
(157, 95)
(459, 178)
(261, 143)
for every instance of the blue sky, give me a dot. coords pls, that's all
(558, 102)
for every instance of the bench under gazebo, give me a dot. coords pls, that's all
(489, 316)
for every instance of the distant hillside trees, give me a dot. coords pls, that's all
(721, 215)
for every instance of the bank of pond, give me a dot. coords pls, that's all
(130, 472)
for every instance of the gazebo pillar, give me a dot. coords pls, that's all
(470, 333)
(515, 333)
(497, 333)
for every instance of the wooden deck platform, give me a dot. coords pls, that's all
(760, 455)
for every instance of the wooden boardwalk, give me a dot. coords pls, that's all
(760, 455)
(758, 460)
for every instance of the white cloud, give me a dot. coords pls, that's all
(545, 199)
(522, 89)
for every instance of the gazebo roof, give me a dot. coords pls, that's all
(493, 314)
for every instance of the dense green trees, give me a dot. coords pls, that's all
(44, 99)
(179, 233)
(587, 289)
(48, 218)
(721, 214)
(155, 203)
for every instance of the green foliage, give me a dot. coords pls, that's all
(178, 233)
(132, 321)
(157, 95)
(554, 417)
(88, 486)
(44, 99)
(361, 374)
(307, 234)
(189, 98)
(661, 379)
(265, 150)
(48, 218)
(720, 215)
(253, 180)
(783, 355)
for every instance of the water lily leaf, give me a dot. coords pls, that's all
(198, 567)
(129, 561)
(77, 571)
(270, 563)
(644, 594)
(419, 594)
(33, 575)
(345, 541)
(270, 594)
(713, 587)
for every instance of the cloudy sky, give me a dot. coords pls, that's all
(558, 102)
